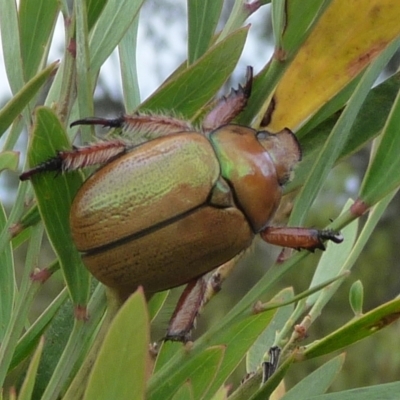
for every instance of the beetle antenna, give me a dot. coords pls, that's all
(108, 122)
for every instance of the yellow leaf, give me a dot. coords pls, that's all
(349, 35)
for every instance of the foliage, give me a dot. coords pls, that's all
(318, 83)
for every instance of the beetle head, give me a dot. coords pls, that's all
(284, 149)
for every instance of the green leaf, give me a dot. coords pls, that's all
(356, 329)
(356, 297)
(166, 351)
(386, 391)
(10, 37)
(317, 382)
(222, 393)
(54, 197)
(115, 19)
(156, 303)
(29, 382)
(127, 56)
(7, 280)
(31, 337)
(94, 9)
(190, 89)
(333, 261)
(9, 160)
(123, 362)
(37, 19)
(382, 176)
(256, 355)
(201, 370)
(203, 16)
(84, 81)
(15, 106)
(185, 392)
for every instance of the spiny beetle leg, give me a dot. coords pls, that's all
(228, 107)
(96, 154)
(300, 238)
(186, 311)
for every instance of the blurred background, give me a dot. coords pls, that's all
(161, 48)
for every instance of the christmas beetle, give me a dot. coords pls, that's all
(181, 203)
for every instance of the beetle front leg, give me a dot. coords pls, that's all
(228, 107)
(80, 157)
(299, 238)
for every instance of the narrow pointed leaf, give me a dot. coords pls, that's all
(256, 355)
(127, 55)
(383, 174)
(317, 382)
(185, 392)
(35, 36)
(29, 381)
(190, 89)
(356, 297)
(122, 366)
(386, 391)
(94, 9)
(7, 280)
(200, 369)
(32, 336)
(15, 106)
(203, 16)
(115, 19)
(356, 329)
(54, 196)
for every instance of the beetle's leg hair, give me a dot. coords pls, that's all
(80, 157)
(228, 107)
(299, 238)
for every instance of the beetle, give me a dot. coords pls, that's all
(181, 203)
